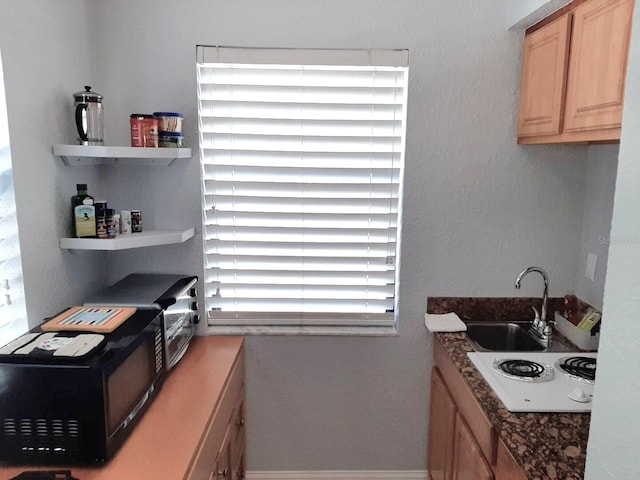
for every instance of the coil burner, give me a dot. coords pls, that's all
(578, 368)
(523, 370)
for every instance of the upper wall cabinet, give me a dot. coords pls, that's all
(544, 74)
(573, 73)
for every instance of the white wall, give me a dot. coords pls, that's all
(599, 188)
(47, 57)
(478, 208)
(615, 424)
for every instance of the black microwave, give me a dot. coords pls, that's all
(79, 411)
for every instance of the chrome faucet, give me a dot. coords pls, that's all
(541, 327)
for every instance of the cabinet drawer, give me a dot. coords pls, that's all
(211, 444)
(467, 405)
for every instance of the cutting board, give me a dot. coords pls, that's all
(89, 319)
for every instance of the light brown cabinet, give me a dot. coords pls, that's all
(442, 414)
(463, 445)
(221, 452)
(573, 74)
(468, 462)
(506, 467)
(462, 441)
(544, 74)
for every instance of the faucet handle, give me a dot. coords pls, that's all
(536, 318)
(535, 312)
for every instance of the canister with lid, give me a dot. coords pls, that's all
(170, 139)
(169, 121)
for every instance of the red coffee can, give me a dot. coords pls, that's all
(144, 130)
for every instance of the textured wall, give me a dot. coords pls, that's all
(612, 452)
(602, 163)
(46, 56)
(478, 208)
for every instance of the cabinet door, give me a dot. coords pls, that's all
(468, 462)
(543, 81)
(237, 439)
(598, 65)
(441, 422)
(506, 468)
(222, 469)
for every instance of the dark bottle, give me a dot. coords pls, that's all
(83, 212)
(101, 219)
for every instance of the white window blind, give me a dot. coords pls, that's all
(13, 314)
(302, 162)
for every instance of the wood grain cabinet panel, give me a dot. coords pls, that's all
(598, 65)
(442, 414)
(573, 74)
(221, 452)
(468, 462)
(462, 441)
(544, 74)
(506, 468)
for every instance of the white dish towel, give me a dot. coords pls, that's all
(447, 322)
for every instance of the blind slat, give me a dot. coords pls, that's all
(308, 276)
(386, 220)
(277, 263)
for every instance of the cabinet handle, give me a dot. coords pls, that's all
(240, 422)
(223, 473)
(240, 474)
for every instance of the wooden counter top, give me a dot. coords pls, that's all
(163, 444)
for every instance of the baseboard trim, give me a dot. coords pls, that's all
(339, 475)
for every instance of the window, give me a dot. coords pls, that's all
(302, 157)
(13, 315)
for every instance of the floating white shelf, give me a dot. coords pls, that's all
(76, 155)
(132, 240)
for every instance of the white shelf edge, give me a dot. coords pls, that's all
(73, 155)
(133, 240)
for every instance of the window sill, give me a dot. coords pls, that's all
(306, 331)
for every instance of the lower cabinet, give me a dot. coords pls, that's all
(442, 415)
(468, 462)
(221, 453)
(230, 458)
(506, 467)
(453, 452)
(463, 445)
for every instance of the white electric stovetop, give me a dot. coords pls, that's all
(525, 396)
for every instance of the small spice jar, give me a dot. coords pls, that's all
(111, 226)
(101, 219)
(136, 221)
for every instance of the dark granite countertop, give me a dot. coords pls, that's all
(546, 445)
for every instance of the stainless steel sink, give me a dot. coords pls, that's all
(503, 337)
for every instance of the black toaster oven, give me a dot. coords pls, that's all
(175, 295)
